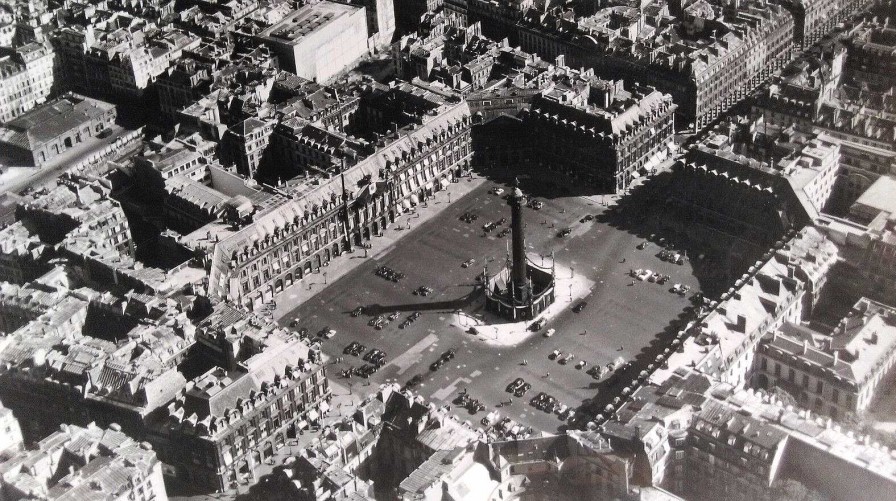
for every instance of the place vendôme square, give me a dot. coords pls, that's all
(448, 250)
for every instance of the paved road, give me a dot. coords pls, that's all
(61, 163)
(616, 319)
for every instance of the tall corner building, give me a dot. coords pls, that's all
(320, 40)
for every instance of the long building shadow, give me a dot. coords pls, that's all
(449, 305)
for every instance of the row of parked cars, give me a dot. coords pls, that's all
(389, 274)
(471, 404)
(408, 321)
(443, 359)
(505, 428)
(547, 403)
(487, 227)
(380, 321)
(649, 276)
(671, 256)
(468, 217)
(535, 203)
(518, 387)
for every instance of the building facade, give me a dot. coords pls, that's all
(26, 78)
(318, 41)
(290, 238)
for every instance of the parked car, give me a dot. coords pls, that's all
(579, 307)
(555, 355)
(414, 381)
(581, 364)
(550, 332)
(564, 232)
(516, 383)
(498, 191)
(357, 312)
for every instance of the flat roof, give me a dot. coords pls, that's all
(881, 195)
(306, 20)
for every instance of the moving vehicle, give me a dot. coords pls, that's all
(579, 307)
(564, 232)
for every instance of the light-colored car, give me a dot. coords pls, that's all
(581, 364)
(498, 191)
(329, 334)
(550, 332)
(562, 409)
(644, 274)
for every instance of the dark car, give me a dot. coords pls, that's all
(448, 355)
(415, 315)
(579, 307)
(513, 386)
(564, 232)
(436, 365)
(414, 381)
(357, 312)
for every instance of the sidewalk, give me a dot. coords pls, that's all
(301, 292)
(496, 331)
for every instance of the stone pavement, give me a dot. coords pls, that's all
(306, 289)
(495, 331)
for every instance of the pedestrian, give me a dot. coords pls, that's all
(623, 260)
(547, 375)
(510, 402)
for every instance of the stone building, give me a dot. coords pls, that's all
(878, 262)
(318, 41)
(26, 78)
(606, 137)
(707, 60)
(835, 373)
(871, 53)
(49, 131)
(84, 462)
(258, 250)
(734, 456)
(22, 255)
(813, 19)
(117, 56)
(228, 421)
